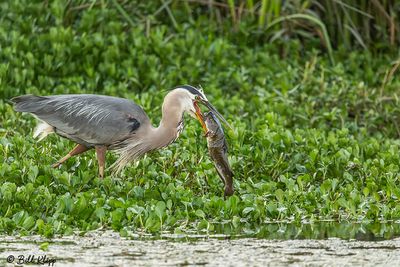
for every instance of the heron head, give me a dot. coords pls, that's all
(197, 97)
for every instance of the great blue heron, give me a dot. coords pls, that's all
(112, 123)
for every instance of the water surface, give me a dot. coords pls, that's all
(325, 244)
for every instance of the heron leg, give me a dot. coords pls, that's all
(101, 158)
(77, 150)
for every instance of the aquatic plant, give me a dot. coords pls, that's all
(313, 140)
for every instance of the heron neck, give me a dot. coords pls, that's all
(161, 137)
(168, 130)
(171, 122)
(148, 137)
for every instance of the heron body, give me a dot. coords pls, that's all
(88, 120)
(111, 123)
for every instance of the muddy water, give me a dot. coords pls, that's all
(106, 248)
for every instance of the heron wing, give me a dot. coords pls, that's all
(95, 119)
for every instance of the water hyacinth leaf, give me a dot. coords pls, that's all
(116, 217)
(28, 223)
(160, 209)
(44, 246)
(315, 140)
(33, 172)
(100, 213)
(247, 210)
(20, 217)
(279, 194)
(236, 221)
(200, 213)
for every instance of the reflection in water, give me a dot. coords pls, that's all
(107, 248)
(320, 230)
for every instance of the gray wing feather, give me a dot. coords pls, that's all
(95, 119)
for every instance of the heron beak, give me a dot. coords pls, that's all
(215, 111)
(199, 116)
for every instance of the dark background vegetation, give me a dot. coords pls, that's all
(311, 88)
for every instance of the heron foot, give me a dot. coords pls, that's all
(77, 150)
(56, 165)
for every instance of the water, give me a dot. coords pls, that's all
(321, 230)
(322, 244)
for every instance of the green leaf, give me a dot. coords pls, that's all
(28, 223)
(44, 246)
(160, 209)
(247, 210)
(200, 213)
(100, 213)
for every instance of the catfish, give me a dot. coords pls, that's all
(218, 150)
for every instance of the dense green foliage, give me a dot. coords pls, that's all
(312, 140)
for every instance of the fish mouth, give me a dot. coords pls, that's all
(214, 110)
